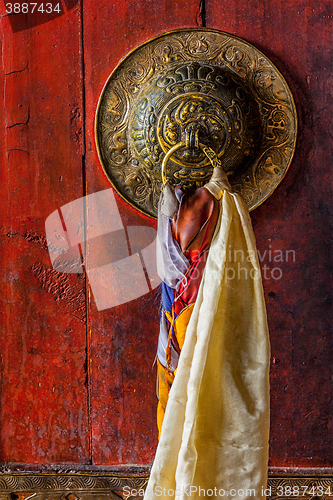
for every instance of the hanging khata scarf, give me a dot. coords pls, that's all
(216, 424)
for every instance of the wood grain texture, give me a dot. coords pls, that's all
(124, 338)
(43, 395)
(297, 37)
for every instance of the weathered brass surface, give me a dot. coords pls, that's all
(188, 86)
(22, 486)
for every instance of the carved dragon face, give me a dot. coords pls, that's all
(193, 96)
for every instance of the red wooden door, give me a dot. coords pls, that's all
(78, 383)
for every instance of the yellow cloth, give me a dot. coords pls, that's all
(165, 380)
(216, 425)
(181, 323)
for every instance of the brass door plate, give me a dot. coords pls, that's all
(218, 84)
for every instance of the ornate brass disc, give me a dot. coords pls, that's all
(195, 83)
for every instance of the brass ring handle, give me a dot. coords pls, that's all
(211, 155)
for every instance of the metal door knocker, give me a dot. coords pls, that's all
(190, 87)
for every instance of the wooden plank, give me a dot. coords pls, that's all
(297, 37)
(43, 413)
(123, 338)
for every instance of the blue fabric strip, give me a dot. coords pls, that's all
(167, 297)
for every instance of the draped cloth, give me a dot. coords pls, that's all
(216, 425)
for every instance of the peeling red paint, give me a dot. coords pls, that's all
(44, 400)
(68, 290)
(28, 236)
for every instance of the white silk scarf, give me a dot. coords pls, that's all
(214, 439)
